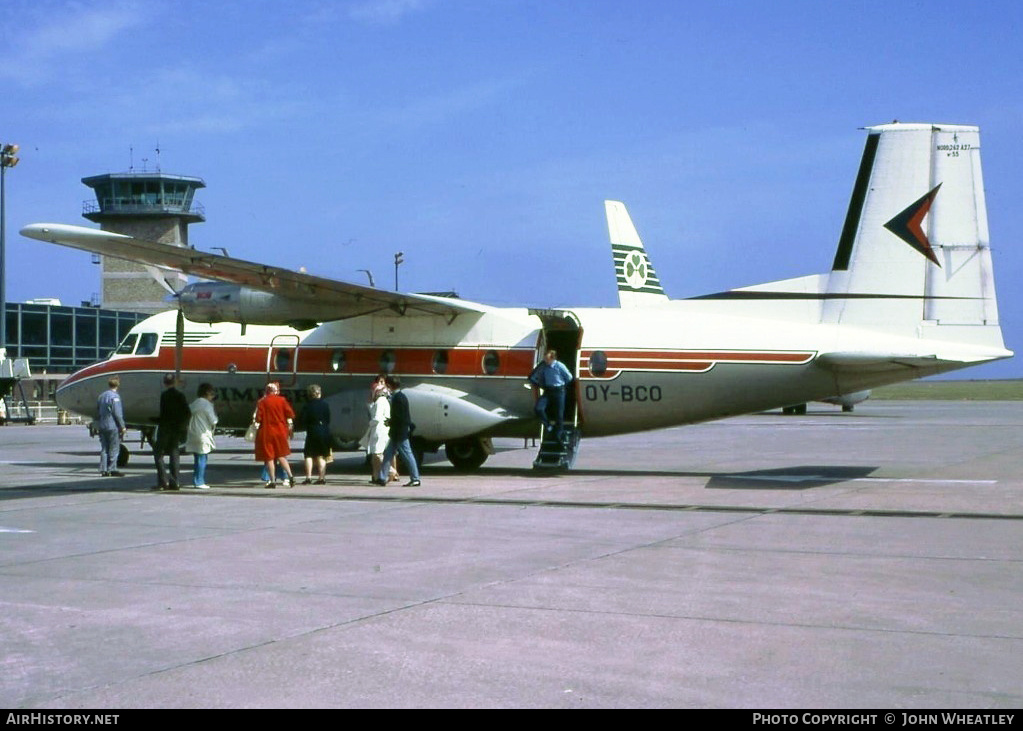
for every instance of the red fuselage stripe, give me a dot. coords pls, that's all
(463, 362)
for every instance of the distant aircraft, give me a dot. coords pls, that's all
(910, 293)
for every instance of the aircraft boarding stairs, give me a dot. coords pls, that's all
(557, 454)
(12, 371)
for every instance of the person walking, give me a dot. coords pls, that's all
(200, 433)
(399, 433)
(110, 425)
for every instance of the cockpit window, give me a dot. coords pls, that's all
(147, 344)
(127, 346)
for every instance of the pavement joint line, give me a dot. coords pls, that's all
(579, 504)
(762, 622)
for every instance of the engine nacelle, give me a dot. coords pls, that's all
(442, 414)
(224, 302)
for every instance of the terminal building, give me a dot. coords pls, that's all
(58, 340)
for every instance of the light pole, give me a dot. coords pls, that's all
(398, 259)
(8, 159)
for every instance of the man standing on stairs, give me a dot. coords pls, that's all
(553, 377)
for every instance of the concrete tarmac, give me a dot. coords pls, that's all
(864, 560)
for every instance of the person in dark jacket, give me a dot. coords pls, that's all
(314, 418)
(171, 432)
(399, 435)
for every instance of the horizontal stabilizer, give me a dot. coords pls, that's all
(867, 360)
(858, 360)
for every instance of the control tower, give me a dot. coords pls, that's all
(152, 206)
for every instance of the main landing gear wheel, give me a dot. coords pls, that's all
(465, 454)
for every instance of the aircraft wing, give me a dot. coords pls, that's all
(342, 298)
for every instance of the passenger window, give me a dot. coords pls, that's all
(127, 346)
(491, 362)
(440, 361)
(147, 344)
(598, 363)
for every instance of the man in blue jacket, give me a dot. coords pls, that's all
(110, 425)
(553, 377)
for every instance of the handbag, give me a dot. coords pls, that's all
(250, 433)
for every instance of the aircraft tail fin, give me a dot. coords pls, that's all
(914, 257)
(638, 285)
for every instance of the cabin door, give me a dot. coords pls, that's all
(282, 360)
(562, 333)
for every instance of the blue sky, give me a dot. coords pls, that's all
(480, 137)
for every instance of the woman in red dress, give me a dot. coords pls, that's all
(275, 421)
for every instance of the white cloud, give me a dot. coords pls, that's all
(63, 37)
(384, 12)
(186, 100)
(442, 107)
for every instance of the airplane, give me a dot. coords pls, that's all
(910, 293)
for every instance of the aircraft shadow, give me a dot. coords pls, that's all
(801, 477)
(351, 469)
(827, 414)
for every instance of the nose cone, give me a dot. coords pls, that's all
(78, 396)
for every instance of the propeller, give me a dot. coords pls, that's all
(157, 274)
(173, 296)
(179, 343)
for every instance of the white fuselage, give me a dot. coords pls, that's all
(636, 369)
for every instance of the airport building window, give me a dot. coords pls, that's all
(440, 361)
(61, 357)
(61, 331)
(598, 363)
(85, 331)
(491, 362)
(63, 339)
(33, 328)
(13, 334)
(337, 360)
(108, 335)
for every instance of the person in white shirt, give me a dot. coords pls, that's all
(200, 433)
